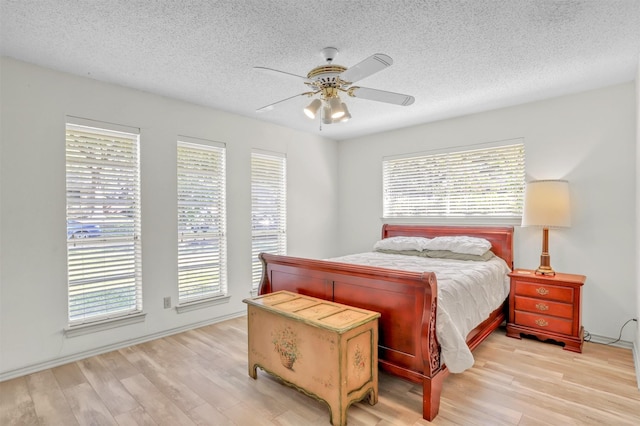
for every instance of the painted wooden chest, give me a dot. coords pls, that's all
(325, 349)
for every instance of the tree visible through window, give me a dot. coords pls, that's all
(268, 208)
(483, 182)
(103, 223)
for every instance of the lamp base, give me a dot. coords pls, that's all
(545, 270)
(545, 260)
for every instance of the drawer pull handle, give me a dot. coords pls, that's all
(542, 307)
(541, 322)
(542, 291)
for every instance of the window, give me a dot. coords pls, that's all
(483, 182)
(268, 208)
(202, 246)
(103, 222)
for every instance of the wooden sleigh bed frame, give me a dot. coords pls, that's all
(407, 301)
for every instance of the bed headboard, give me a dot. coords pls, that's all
(501, 237)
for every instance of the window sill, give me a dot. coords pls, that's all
(204, 303)
(83, 329)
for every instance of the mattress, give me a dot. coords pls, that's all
(468, 291)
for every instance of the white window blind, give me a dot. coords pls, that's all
(485, 182)
(202, 246)
(268, 208)
(103, 224)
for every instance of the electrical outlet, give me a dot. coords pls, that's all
(167, 302)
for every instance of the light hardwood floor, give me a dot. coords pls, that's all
(200, 377)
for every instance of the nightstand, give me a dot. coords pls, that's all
(547, 307)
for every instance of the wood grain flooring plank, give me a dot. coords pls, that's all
(160, 408)
(290, 399)
(50, 403)
(87, 406)
(249, 414)
(136, 417)
(290, 418)
(199, 342)
(531, 421)
(118, 365)
(387, 410)
(450, 414)
(16, 405)
(228, 340)
(167, 380)
(305, 406)
(169, 351)
(107, 386)
(605, 406)
(357, 416)
(461, 411)
(141, 360)
(263, 397)
(212, 349)
(69, 375)
(582, 409)
(494, 405)
(188, 374)
(221, 380)
(206, 414)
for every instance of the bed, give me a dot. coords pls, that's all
(407, 300)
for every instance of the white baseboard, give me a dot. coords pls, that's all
(33, 368)
(604, 340)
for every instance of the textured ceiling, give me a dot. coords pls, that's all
(455, 57)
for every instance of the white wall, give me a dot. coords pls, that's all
(637, 324)
(586, 138)
(33, 304)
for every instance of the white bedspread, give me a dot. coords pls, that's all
(468, 291)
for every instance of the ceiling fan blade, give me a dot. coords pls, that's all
(369, 66)
(271, 106)
(381, 96)
(272, 71)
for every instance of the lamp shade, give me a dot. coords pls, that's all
(546, 204)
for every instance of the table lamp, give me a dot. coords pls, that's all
(546, 204)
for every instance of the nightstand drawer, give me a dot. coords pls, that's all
(544, 291)
(544, 322)
(535, 305)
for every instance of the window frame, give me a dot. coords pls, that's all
(201, 247)
(99, 151)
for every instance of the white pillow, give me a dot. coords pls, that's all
(402, 243)
(460, 244)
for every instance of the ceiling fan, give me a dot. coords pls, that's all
(329, 81)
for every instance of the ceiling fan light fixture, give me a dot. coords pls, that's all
(347, 114)
(326, 115)
(336, 108)
(312, 109)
